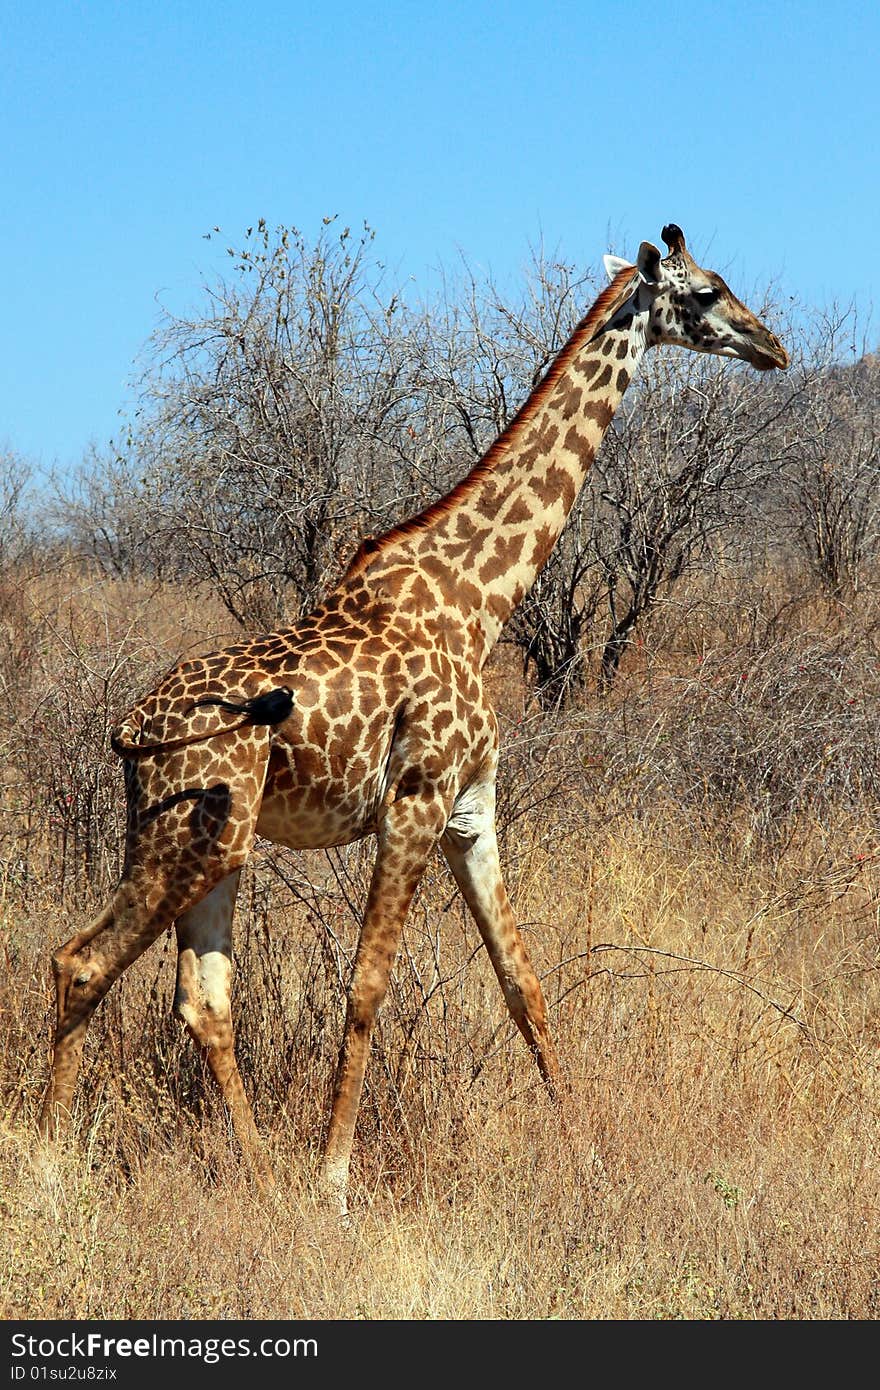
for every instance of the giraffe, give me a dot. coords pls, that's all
(369, 717)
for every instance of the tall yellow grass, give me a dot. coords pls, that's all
(713, 991)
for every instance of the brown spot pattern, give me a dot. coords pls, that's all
(390, 732)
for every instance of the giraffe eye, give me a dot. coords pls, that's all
(706, 295)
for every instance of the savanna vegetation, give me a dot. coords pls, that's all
(688, 816)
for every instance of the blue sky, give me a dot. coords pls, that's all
(130, 129)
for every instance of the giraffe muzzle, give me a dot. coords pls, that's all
(769, 354)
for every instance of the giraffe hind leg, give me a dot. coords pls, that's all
(69, 1036)
(203, 1000)
(191, 821)
(85, 967)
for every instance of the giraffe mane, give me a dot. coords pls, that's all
(602, 311)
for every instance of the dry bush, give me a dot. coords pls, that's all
(719, 1159)
(695, 865)
(76, 652)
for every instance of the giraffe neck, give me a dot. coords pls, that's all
(481, 547)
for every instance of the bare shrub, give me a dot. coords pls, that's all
(769, 737)
(832, 481)
(271, 415)
(693, 860)
(84, 652)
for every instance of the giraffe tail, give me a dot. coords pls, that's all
(273, 707)
(132, 737)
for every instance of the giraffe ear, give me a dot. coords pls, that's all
(614, 265)
(649, 263)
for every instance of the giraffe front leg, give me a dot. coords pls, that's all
(471, 848)
(409, 831)
(203, 1000)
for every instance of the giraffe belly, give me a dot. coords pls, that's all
(294, 823)
(307, 807)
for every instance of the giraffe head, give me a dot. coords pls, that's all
(684, 304)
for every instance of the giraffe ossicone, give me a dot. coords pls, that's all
(369, 717)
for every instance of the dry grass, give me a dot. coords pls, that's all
(715, 997)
